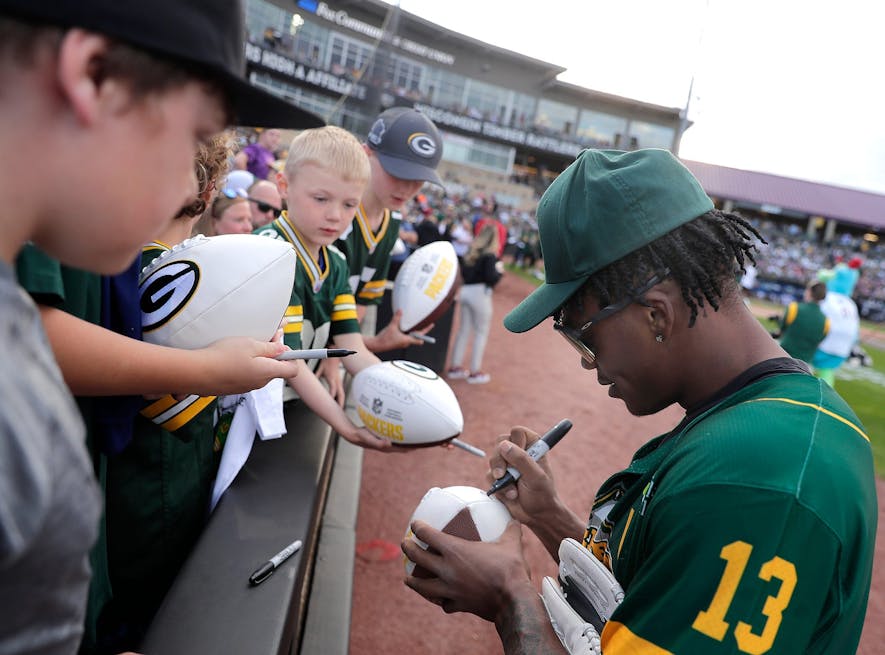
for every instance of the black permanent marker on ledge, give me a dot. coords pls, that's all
(315, 353)
(536, 451)
(265, 570)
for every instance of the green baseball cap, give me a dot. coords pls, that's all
(604, 206)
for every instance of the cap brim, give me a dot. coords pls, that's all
(540, 304)
(255, 107)
(406, 169)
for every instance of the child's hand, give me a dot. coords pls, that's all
(362, 437)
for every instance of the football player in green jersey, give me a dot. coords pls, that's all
(747, 528)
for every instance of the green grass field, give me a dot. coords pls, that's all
(863, 388)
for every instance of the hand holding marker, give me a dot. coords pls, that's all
(536, 451)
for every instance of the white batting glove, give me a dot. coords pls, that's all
(581, 605)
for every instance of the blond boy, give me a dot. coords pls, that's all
(325, 175)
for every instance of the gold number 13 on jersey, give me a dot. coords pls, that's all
(711, 622)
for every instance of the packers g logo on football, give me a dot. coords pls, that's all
(422, 144)
(165, 292)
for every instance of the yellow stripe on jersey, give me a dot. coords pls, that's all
(618, 639)
(172, 414)
(344, 307)
(184, 417)
(373, 289)
(792, 310)
(624, 533)
(293, 319)
(158, 407)
(820, 409)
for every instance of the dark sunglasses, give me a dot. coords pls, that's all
(576, 337)
(263, 207)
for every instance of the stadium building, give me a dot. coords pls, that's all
(505, 116)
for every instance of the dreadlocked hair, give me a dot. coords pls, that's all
(703, 256)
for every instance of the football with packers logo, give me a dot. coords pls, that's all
(407, 403)
(425, 285)
(208, 288)
(465, 512)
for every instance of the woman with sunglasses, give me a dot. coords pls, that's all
(228, 214)
(750, 526)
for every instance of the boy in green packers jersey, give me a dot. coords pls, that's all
(325, 174)
(747, 528)
(404, 148)
(804, 325)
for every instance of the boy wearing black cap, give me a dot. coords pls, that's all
(750, 526)
(122, 85)
(404, 149)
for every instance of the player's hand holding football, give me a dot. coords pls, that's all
(237, 365)
(532, 499)
(469, 576)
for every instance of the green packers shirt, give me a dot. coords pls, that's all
(322, 304)
(368, 254)
(748, 529)
(158, 493)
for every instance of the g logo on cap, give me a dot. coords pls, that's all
(422, 144)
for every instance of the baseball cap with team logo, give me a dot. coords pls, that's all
(407, 144)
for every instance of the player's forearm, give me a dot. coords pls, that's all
(96, 361)
(556, 525)
(524, 627)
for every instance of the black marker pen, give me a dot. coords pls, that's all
(536, 451)
(265, 570)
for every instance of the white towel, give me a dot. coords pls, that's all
(257, 411)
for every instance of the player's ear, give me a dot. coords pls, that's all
(662, 309)
(80, 75)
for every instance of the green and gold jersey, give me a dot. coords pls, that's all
(322, 304)
(803, 327)
(158, 493)
(368, 254)
(749, 529)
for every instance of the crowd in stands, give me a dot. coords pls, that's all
(793, 257)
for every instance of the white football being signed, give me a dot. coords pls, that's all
(425, 285)
(208, 288)
(407, 403)
(465, 512)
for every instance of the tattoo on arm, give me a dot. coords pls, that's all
(525, 629)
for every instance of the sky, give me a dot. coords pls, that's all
(778, 86)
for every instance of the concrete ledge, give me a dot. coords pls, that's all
(278, 497)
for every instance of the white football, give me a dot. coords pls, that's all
(425, 285)
(406, 403)
(207, 288)
(465, 512)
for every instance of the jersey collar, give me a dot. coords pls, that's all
(371, 239)
(317, 269)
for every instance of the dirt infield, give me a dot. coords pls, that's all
(536, 381)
